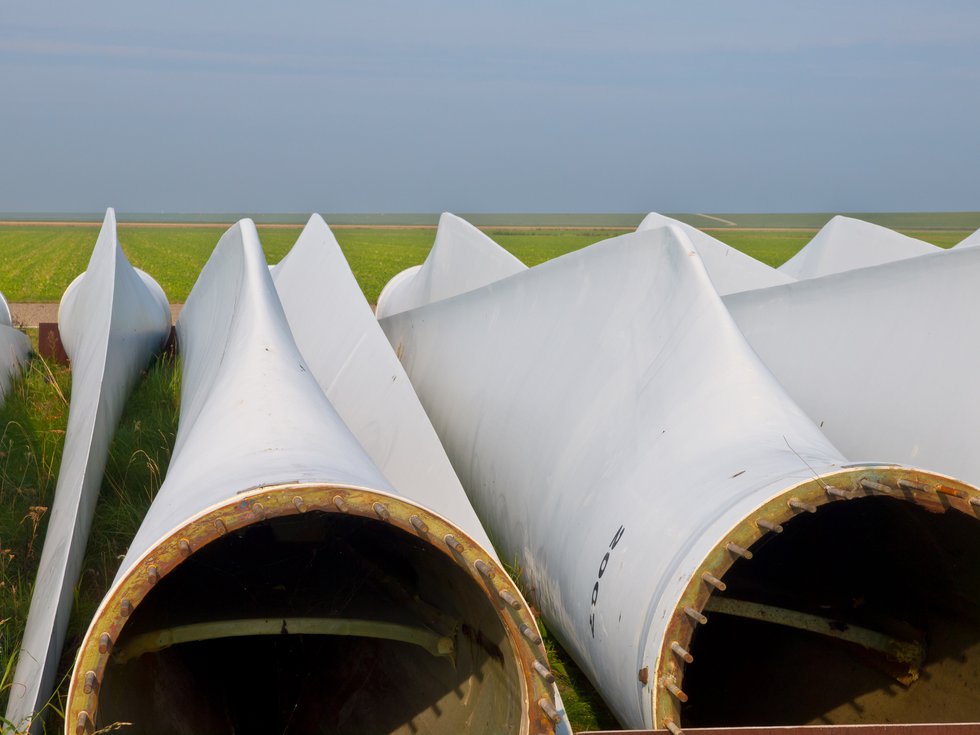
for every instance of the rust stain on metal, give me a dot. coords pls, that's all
(938, 494)
(276, 501)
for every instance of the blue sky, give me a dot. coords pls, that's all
(490, 106)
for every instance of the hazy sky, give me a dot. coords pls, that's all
(490, 106)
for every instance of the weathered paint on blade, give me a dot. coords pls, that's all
(729, 269)
(846, 243)
(462, 259)
(612, 377)
(351, 359)
(883, 359)
(111, 324)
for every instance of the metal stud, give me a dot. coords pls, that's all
(911, 486)
(453, 544)
(126, 608)
(675, 690)
(91, 682)
(507, 597)
(714, 581)
(530, 634)
(876, 487)
(185, 547)
(299, 504)
(549, 709)
(381, 511)
(769, 525)
(418, 524)
(220, 526)
(975, 502)
(84, 723)
(341, 504)
(105, 643)
(695, 615)
(258, 510)
(681, 652)
(797, 504)
(152, 575)
(483, 568)
(543, 672)
(674, 730)
(738, 550)
(836, 492)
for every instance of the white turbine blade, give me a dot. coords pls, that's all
(5, 318)
(351, 359)
(112, 320)
(462, 259)
(623, 443)
(730, 270)
(883, 359)
(341, 341)
(846, 243)
(301, 587)
(970, 241)
(15, 348)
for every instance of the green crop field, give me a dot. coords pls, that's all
(37, 262)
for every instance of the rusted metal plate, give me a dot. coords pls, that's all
(961, 728)
(49, 343)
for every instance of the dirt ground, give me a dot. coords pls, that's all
(31, 314)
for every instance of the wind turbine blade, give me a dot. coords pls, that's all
(846, 243)
(970, 241)
(462, 259)
(393, 618)
(15, 348)
(624, 444)
(883, 358)
(351, 359)
(730, 270)
(112, 320)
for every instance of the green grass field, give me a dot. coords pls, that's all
(36, 264)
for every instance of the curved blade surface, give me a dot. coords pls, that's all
(15, 348)
(462, 259)
(111, 324)
(730, 270)
(597, 408)
(846, 243)
(970, 241)
(352, 361)
(883, 359)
